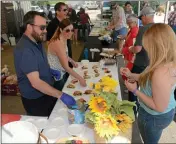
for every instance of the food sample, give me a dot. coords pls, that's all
(107, 71)
(97, 75)
(84, 67)
(70, 86)
(96, 71)
(74, 81)
(95, 67)
(87, 77)
(88, 92)
(77, 93)
(110, 76)
(85, 72)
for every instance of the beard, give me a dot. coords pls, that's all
(38, 37)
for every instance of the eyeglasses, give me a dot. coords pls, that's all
(65, 10)
(42, 27)
(68, 30)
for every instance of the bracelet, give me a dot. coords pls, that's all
(134, 91)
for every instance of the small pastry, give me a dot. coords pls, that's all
(97, 75)
(96, 71)
(70, 86)
(95, 67)
(87, 77)
(84, 67)
(88, 92)
(77, 93)
(74, 81)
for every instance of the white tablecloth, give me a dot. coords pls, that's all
(60, 111)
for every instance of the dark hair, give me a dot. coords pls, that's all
(58, 6)
(29, 18)
(174, 3)
(63, 24)
(127, 3)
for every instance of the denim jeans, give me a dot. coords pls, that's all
(151, 126)
(122, 31)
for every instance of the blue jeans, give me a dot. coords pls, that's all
(151, 126)
(174, 28)
(122, 31)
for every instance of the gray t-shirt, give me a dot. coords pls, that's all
(141, 59)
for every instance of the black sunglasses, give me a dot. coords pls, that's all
(68, 30)
(42, 27)
(65, 10)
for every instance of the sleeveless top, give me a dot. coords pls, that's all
(148, 91)
(55, 64)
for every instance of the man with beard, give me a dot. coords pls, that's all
(61, 10)
(33, 71)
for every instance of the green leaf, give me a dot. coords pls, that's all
(128, 110)
(90, 117)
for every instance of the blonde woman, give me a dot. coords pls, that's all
(58, 55)
(157, 83)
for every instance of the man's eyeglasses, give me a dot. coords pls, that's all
(68, 30)
(42, 27)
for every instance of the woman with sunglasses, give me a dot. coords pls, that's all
(58, 55)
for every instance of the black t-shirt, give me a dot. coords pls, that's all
(141, 59)
(52, 26)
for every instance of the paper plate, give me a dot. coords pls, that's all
(52, 134)
(62, 112)
(30, 120)
(41, 123)
(58, 121)
(76, 129)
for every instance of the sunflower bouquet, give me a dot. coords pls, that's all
(107, 114)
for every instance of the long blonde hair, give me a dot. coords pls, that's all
(160, 43)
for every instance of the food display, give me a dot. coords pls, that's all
(77, 93)
(70, 86)
(72, 140)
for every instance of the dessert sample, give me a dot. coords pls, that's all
(77, 93)
(87, 76)
(87, 92)
(97, 75)
(96, 71)
(84, 67)
(70, 86)
(95, 67)
(74, 81)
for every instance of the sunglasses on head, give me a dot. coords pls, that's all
(68, 30)
(42, 27)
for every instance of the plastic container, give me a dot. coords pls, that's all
(86, 53)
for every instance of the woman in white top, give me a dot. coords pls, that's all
(58, 55)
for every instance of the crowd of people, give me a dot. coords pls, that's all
(150, 63)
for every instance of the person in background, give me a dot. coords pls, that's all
(58, 54)
(33, 72)
(85, 21)
(74, 19)
(159, 15)
(172, 18)
(157, 83)
(128, 9)
(61, 13)
(118, 23)
(141, 58)
(129, 56)
(48, 12)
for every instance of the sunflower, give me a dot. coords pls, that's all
(125, 122)
(106, 126)
(97, 104)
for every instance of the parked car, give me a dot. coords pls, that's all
(106, 9)
(90, 5)
(36, 8)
